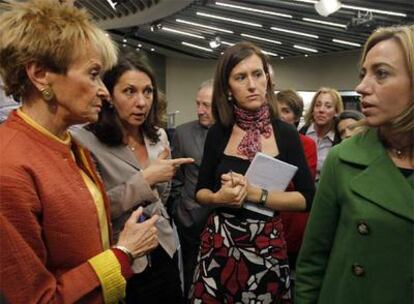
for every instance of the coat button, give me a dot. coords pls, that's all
(358, 270)
(363, 228)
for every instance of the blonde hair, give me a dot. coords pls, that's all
(337, 99)
(404, 35)
(49, 33)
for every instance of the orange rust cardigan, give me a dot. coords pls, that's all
(49, 222)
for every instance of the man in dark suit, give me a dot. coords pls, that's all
(189, 216)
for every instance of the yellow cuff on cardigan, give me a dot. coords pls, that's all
(108, 270)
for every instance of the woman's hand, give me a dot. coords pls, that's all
(139, 238)
(163, 169)
(233, 190)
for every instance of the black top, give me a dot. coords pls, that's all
(406, 172)
(215, 162)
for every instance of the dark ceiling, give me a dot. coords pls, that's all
(129, 22)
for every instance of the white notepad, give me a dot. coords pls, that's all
(268, 173)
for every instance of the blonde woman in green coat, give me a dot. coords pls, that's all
(359, 243)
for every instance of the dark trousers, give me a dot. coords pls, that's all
(190, 243)
(158, 284)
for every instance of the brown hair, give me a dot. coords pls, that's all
(222, 108)
(292, 100)
(337, 99)
(108, 128)
(49, 33)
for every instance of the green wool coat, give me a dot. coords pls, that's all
(359, 242)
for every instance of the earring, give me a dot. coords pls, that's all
(229, 97)
(47, 93)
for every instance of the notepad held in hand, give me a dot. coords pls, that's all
(268, 173)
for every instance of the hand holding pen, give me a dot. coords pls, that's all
(137, 237)
(141, 219)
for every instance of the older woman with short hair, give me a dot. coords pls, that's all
(56, 236)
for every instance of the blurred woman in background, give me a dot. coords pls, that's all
(55, 220)
(348, 125)
(320, 122)
(290, 108)
(132, 152)
(359, 244)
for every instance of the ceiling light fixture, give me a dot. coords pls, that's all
(155, 26)
(215, 43)
(305, 48)
(294, 32)
(327, 7)
(325, 22)
(196, 46)
(360, 8)
(373, 10)
(260, 38)
(228, 43)
(181, 33)
(346, 42)
(255, 10)
(112, 4)
(269, 53)
(229, 19)
(204, 26)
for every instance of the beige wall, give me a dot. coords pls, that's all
(183, 77)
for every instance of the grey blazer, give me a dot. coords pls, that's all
(188, 141)
(127, 188)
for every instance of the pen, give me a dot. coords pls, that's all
(231, 176)
(140, 220)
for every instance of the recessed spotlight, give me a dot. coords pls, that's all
(215, 43)
(155, 26)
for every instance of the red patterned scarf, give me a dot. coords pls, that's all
(255, 124)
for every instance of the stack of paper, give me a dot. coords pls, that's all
(268, 173)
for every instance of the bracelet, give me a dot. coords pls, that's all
(126, 251)
(263, 197)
